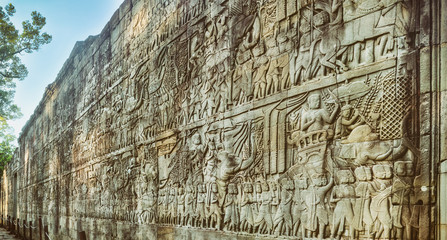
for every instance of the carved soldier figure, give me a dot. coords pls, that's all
(277, 77)
(264, 219)
(185, 117)
(256, 205)
(231, 219)
(402, 187)
(162, 206)
(180, 207)
(342, 195)
(275, 196)
(172, 210)
(195, 104)
(148, 214)
(209, 171)
(299, 206)
(189, 206)
(380, 202)
(200, 213)
(207, 90)
(259, 81)
(214, 216)
(283, 218)
(317, 212)
(196, 158)
(247, 208)
(363, 191)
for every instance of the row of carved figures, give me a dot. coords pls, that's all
(363, 205)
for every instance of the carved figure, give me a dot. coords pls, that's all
(209, 171)
(317, 118)
(249, 40)
(208, 105)
(349, 119)
(228, 165)
(247, 223)
(314, 119)
(299, 207)
(317, 213)
(364, 190)
(189, 207)
(172, 210)
(258, 200)
(200, 209)
(162, 206)
(277, 77)
(259, 81)
(231, 219)
(283, 218)
(380, 202)
(214, 215)
(264, 220)
(400, 211)
(180, 207)
(275, 196)
(343, 214)
(196, 157)
(148, 206)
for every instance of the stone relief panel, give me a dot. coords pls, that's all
(265, 118)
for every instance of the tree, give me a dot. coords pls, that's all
(6, 144)
(13, 43)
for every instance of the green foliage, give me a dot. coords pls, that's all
(13, 43)
(6, 143)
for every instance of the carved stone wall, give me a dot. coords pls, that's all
(242, 118)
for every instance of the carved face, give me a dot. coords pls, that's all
(258, 188)
(345, 176)
(212, 146)
(232, 188)
(360, 174)
(290, 185)
(202, 188)
(196, 139)
(319, 180)
(265, 187)
(274, 187)
(248, 188)
(400, 169)
(302, 183)
(382, 171)
(346, 111)
(314, 101)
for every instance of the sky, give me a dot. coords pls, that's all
(68, 21)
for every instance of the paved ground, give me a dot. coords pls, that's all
(4, 234)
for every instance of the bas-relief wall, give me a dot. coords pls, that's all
(234, 118)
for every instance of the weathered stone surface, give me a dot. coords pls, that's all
(242, 119)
